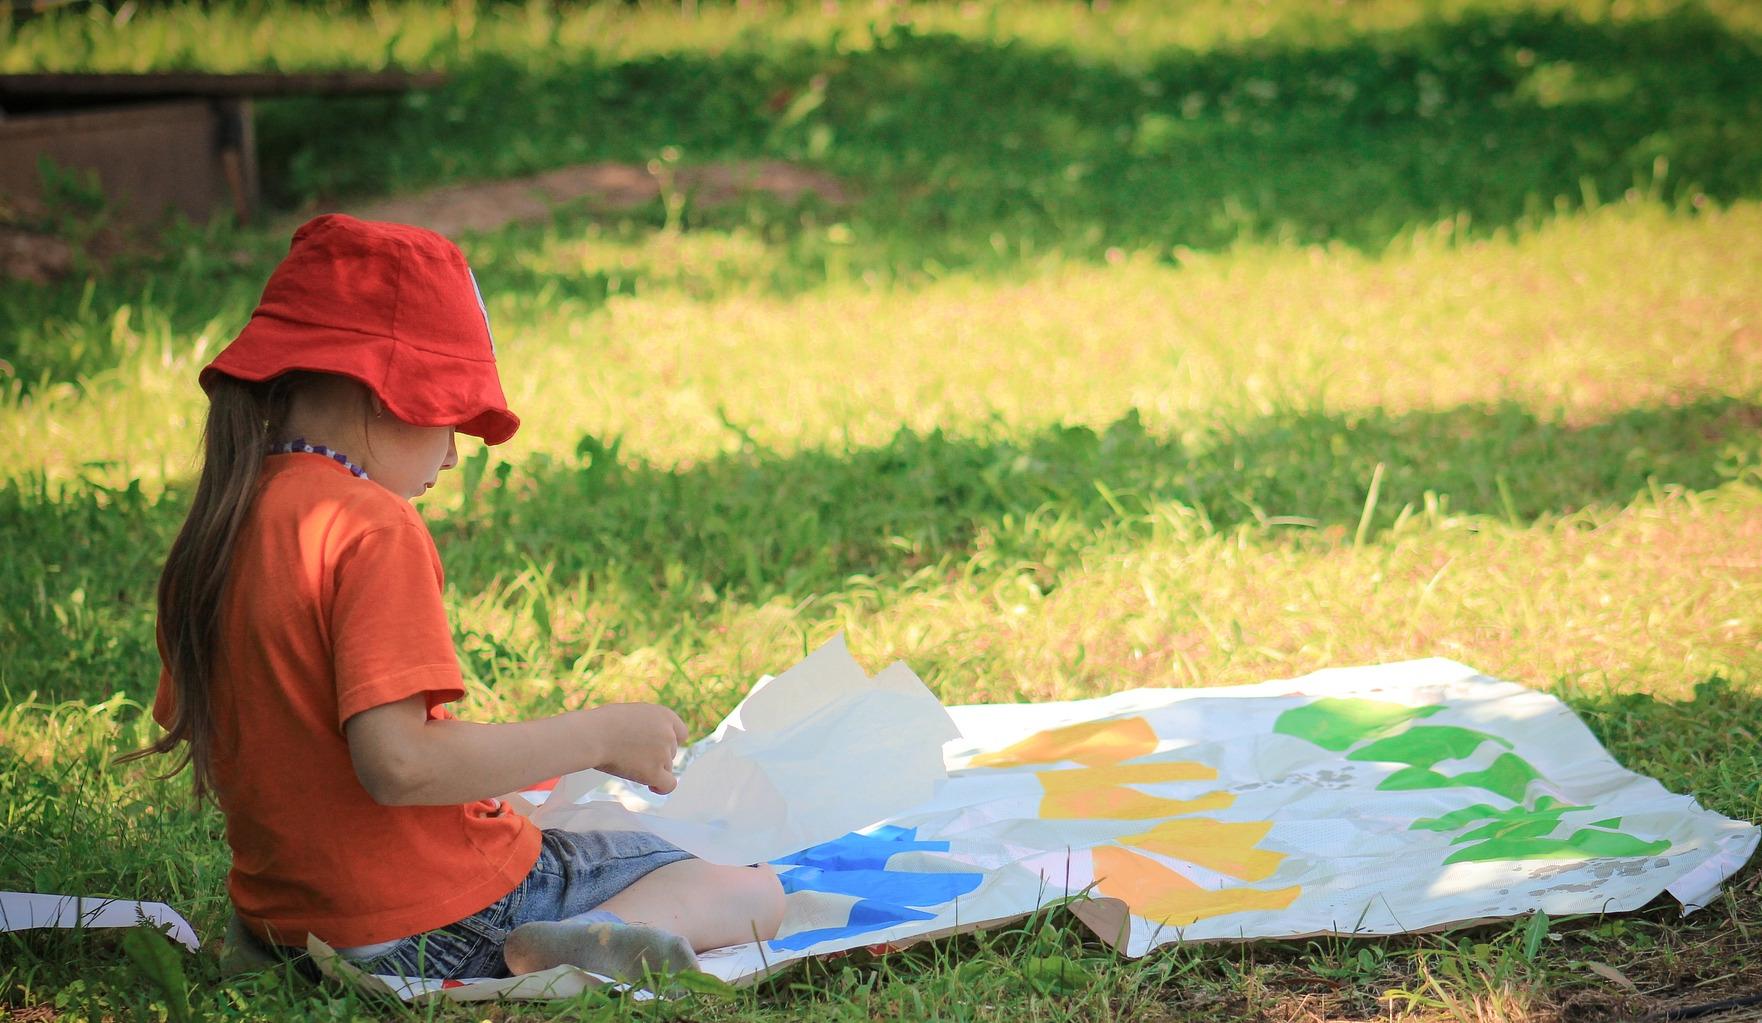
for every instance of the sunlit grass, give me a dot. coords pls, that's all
(1585, 316)
(327, 36)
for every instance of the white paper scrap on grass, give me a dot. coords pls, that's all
(795, 764)
(1368, 801)
(21, 911)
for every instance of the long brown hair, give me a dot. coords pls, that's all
(243, 418)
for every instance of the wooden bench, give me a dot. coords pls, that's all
(183, 141)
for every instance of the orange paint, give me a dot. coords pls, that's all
(1223, 846)
(1116, 802)
(1153, 773)
(1101, 790)
(1162, 896)
(1094, 743)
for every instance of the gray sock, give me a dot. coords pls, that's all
(622, 951)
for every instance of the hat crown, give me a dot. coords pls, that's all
(389, 280)
(391, 305)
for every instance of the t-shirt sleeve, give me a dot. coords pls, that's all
(389, 634)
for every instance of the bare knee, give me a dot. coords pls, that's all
(756, 897)
(766, 893)
(709, 905)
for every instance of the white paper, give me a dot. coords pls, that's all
(1379, 800)
(21, 911)
(821, 750)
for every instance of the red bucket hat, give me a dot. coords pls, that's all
(391, 306)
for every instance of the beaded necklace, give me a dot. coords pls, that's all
(300, 444)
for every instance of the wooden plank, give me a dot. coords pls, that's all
(174, 84)
(238, 155)
(147, 158)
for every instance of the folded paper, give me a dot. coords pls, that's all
(795, 764)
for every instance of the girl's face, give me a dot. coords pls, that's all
(406, 459)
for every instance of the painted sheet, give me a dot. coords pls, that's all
(1378, 800)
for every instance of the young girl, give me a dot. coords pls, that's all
(308, 658)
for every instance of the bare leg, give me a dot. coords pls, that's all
(680, 908)
(708, 905)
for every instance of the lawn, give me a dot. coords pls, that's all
(1157, 346)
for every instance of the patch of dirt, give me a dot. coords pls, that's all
(458, 209)
(39, 246)
(29, 256)
(29, 251)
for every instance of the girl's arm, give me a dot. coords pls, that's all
(405, 759)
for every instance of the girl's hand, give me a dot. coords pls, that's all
(636, 741)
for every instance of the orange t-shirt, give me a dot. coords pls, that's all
(334, 608)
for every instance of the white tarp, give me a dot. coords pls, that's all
(20, 911)
(1377, 800)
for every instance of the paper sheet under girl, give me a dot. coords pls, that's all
(1367, 801)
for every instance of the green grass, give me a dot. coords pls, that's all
(1087, 389)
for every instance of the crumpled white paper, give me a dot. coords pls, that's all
(795, 764)
(21, 911)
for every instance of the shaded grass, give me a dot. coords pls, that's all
(664, 545)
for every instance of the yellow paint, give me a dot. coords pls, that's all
(1116, 802)
(1094, 743)
(1223, 846)
(1153, 773)
(1162, 896)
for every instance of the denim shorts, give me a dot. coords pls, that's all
(575, 872)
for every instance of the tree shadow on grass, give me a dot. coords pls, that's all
(976, 152)
(757, 524)
(80, 564)
(1707, 747)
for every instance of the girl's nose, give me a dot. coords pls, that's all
(452, 458)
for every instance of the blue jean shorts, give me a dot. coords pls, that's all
(575, 872)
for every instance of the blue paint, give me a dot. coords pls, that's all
(865, 916)
(856, 865)
(906, 888)
(862, 852)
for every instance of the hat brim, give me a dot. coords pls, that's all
(470, 401)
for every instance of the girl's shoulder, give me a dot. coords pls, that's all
(314, 490)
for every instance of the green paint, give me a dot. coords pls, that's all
(1415, 778)
(1584, 844)
(1539, 827)
(1507, 776)
(1514, 833)
(1481, 811)
(1458, 818)
(1521, 832)
(1335, 724)
(1425, 745)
